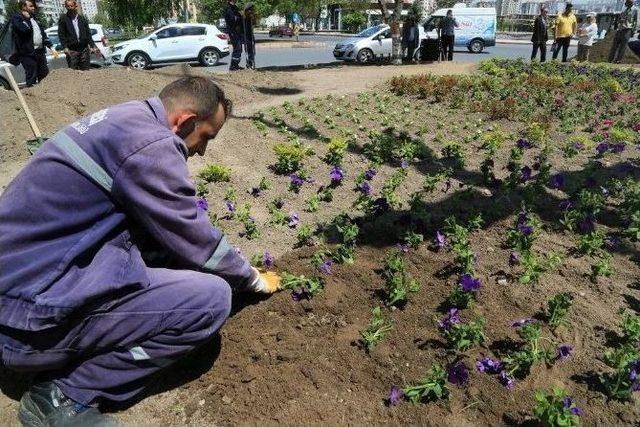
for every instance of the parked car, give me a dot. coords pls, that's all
(371, 43)
(203, 43)
(97, 34)
(281, 31)
(477, 26)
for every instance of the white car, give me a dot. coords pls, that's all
(174, 43)
(370, 44)
(97, 34)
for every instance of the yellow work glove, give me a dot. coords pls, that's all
(266, 282)
(55, 53)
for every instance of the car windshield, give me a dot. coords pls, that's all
(369, 31)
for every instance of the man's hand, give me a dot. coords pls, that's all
(26, 14)
(66, 51)
(266, 282)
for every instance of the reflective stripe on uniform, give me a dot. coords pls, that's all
(82, 160)
(138, 353)
(222, 249)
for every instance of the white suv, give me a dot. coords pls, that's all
(174, 43)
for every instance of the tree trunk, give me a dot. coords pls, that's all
(396, 45)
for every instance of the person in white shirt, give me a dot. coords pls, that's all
(586, 34)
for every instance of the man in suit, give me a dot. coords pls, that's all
(75, 36)
(540, 35)
(30, 42)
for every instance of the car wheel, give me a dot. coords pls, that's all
(476, 46)
(364, 55)
(138, 61)
(209, 57)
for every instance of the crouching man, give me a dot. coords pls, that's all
(78, 304)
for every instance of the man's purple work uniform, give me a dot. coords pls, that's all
(76, 298)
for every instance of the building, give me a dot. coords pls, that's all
(51, 9)
(89, 8)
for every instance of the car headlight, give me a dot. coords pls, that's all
(349, 46)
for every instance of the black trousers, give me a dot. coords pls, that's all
(563, 43)
(447, 47)
(543, 51)
(79, 59)
(35, 67)
(236, 53)
(411, 48)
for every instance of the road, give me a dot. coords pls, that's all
(269, 56)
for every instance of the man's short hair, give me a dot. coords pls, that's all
(200, 95)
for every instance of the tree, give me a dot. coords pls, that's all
(352, 21)
(393, 19)
(135, 14)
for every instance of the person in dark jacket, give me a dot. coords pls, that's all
(250, 41)
(30, 42)
(447, 35)
(410, 37)
(81, 304)
(75, 37)
(234, 21)
(540, 35)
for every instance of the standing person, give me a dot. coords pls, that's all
(233, 19)
(249, 22)
(626, 25)
(80, 304)
(75, 37)
(447, 35)
(540, 35)
(410, 37)
(586, 34)
(30, 42)
(566, 26)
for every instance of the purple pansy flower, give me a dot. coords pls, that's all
(457, 373)
(202, 204)
(403, 247)
(404, 164)
(325, 267)
(525, 173)
(395, 395)
(525, 229)
(293, 219)
(521, 322)
(514, 259)
(364, 188)
(506, 380)
(380, 205)
(489, 366)
(602, 148)
(586, 225)
(296, 181)
(300, 294)
(369, 174)
(441, 240)
(578, 145)
(469, 284)
(618, 147)
(564, 351)
(557, 181)
(267, 260)
(634, 370)
(567, 403)
(451, 318)
(336, 175)
(278, 203)
(230, 206)
(524, 144)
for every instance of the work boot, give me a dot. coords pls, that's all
(44, 405)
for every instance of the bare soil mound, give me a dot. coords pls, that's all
(600, 51)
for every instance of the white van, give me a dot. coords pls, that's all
(476, 26)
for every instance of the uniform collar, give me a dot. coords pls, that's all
(159, 111)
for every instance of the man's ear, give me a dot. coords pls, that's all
(182, 119)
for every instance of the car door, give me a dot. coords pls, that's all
(192, 40)
(163, 45)
(381, 44)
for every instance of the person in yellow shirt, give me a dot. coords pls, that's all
(566, 26)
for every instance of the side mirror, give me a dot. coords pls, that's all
(153, 38)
